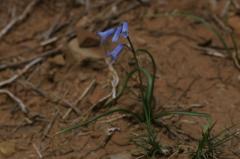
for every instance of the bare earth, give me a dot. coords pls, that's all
(187, 79)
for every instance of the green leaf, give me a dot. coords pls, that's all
(98, 117)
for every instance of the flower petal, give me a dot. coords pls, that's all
(105, 34)
(125, 29)
(117, 34)
(116, 52)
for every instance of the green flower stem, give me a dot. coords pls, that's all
(138, 66)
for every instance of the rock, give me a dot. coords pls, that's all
(123, 155)
(57, 60)
(90, 57)
(121, 138)
(87, 39)
(7, 148)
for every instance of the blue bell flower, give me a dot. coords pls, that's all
(121, 30)
(117, 34)
(125, 29)
(116, 52)
(105, 34)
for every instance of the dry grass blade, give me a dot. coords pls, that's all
(18, 19)
(16, 99)
(43, 55)
(37, 151)
(211, 52)
(49, 126)
(85, 92)
(51, 97)
(21, 72)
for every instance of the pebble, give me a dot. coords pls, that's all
(7, 148)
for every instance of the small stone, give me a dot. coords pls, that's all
(92, 57)
(7, 148)
(57, 60)
(87, 39)
(121, 138)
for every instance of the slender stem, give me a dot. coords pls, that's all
(138, 66)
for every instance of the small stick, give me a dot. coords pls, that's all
(49, 41)
(115, 118)
(57, 25)
(236, 4)
(97, 105)
(37, 151)
(16, 99)
(43, 55)
(221, 23)
(85, 92)
(47, 35)
(49, 126)
(226, 8)
(18, 19)
(211, 52)
(21, 72)
(51, 98)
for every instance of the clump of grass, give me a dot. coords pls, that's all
(209, 147)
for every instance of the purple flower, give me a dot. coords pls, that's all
(105, 34)
(116, 52)
(125, 29)
(121, 30)
(117, 34)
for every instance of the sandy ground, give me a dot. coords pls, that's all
(187, 79)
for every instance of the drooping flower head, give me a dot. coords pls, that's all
(115, 52)
(125, 29)
(105, 34)
(115, 33)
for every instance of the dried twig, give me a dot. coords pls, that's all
(114, 118)
(85, 92)
(16, 99)
(37, 151)
(57, 25)
(52, 28)
(226, 8)
(21, 72)
(236, 4)
(52, 98)
(49, 41)
(100, 102)
(49, 126)
(18, 19)
(220, 23)
(43, 55)
(211, 52)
